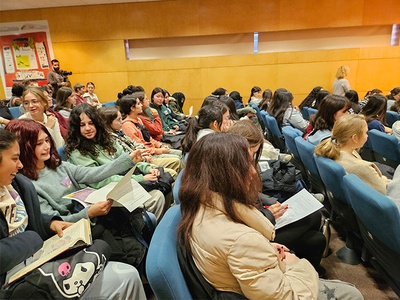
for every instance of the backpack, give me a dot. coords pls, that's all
(68, 276)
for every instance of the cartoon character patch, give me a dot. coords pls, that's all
(73, 275)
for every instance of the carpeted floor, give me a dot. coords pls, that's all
(363, 275)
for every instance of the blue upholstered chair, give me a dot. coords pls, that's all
(304, 112)
(311, 111)
(391, 117)
(61, 152)
(15, 112)
(306, 154)
(390, 103)
(379, 222)
(290, 134)
(108, 104)
(258, 112)
(386, 147)
(162, 266)
(275, 135)
(177, 185)
(332, 176)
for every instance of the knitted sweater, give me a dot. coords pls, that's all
(102, 158)
(167, 121)
(52, 185)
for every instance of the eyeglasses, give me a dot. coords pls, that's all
(33, 101)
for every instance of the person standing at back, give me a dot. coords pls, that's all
(55, 77)
(341, 84)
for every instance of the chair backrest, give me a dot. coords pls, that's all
(306, 154)
(162, 266)
(332, 175)
(272, 125)
(290, 133)
(264, 115)
(391, 117)
(385, 145)
(311, 111)
(390, 103)
(15, 112)
(378, 213)
(109, 104)
(304, 112)
(177, 185)
(61, 152)
(258, 112)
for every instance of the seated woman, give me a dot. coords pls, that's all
(53, 178)
(302, 236)
(150, 118)
(176, 104)
(285, 114)
(89, 144)
(375, 113)
(17, 243)
(310, 100)
(229, 239)
(36, 104)
(395, 95)
(131, 107)
(210, 118)
(352, 95)
(169, 124)
(350, 133)
(65, 101)
(112, 120)
(331, 109)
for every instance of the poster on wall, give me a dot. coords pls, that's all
(26, 52)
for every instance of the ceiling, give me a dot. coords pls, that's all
(30, 4)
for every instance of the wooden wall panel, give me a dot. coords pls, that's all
(89, 41)
(320, 14)
(87, 23)
(378, 12)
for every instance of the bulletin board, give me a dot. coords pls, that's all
(26, 53)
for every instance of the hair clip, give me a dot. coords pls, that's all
(334, 141)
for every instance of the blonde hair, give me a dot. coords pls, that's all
(342, 72)
(39, 95)
(342, 131)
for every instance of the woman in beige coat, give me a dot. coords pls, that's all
(229, 239)
(350, 133)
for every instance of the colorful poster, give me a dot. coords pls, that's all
(26, 53)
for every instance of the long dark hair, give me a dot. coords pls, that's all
(61, 98)
(75, 140)
(208, 164)
(310, 97)
(206, 115)
(27, 132)
(281, 101)
(325, 117)
(375, 109)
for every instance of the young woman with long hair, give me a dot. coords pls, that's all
(375, 113)
(132, 126)
(331, 108)
(112, 120)
(350, 133)
(303, 236)
(282, 110)
(36, 104)
(210, 118)
(20, 211)
(89, 144)
(229, 239)
(53, 178)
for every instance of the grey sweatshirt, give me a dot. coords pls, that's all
(52, 185)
